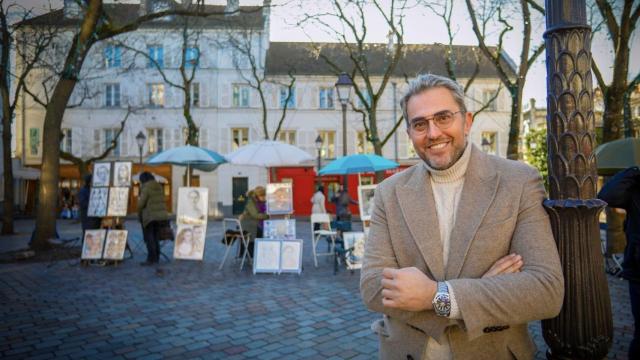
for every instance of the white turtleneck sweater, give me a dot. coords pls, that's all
(447, 187)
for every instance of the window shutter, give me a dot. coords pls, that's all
(76, 142)
(124, 143)
(225, 96)
(177, 137)
(97, 142)
(203, 139)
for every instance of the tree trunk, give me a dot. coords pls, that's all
(47, 207)
(7, 216)
(612, 119)
(514, 124)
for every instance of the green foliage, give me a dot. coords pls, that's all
(536, 152)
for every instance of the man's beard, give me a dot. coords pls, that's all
(456, 156)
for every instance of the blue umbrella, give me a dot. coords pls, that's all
(355, 164)
(189, 156)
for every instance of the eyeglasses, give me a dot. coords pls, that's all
(442, 120)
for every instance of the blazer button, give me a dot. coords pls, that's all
(486, 330)
(409, 357)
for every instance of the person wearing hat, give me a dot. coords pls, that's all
(253, 214)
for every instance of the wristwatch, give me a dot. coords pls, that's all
(441, 301)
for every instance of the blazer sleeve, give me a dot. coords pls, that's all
(534, 293)
(379, 254)
(616, 192)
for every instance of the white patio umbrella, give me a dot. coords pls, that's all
(268, 153)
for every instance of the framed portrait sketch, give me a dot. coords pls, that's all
(266, 256)
(98, 202)
(280, 229)
(354, 246)
(118, 201)
(279, 199)
(115, 244)
(193, 205)
(291, 256)
(365, 200)
(189, 244)
(93, 244)
(101, 174)
(122, 173)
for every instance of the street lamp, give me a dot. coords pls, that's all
(343, 86)
(319, 148)
(140, 139)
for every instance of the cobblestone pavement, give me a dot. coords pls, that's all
(192, 310)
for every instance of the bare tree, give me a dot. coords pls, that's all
(491, 9)
(12, 84)
(95, 24)
(251, 69)
(84, 165)
(620, 32)
(347, 23)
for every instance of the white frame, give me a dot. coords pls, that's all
(297, 253)
(116, 168)
(100, 234)
(272, 188)
(183, 209)
(95, 182)
(351, 238)
(116, 207)
(258, 256)
(364, 201)
(273, 229)
(198, 242)
(120, 247)
(92, 210)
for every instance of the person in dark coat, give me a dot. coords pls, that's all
(342, 201)
(87, 222)
(152, 213)
(623, 191)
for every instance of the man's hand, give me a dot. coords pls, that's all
(506, 265)
(407, 289)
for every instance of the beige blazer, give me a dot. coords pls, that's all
(500, 212)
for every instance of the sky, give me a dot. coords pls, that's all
(421, 26)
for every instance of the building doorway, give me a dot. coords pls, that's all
(240, 185)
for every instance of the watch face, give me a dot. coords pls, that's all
(442, 304)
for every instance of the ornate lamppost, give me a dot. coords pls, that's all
(584, 328)
(140, 139)
(319, 150)
(343, 86)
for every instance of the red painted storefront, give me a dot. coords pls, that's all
(304, 184)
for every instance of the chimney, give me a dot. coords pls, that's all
(232, 5)
(72, 9)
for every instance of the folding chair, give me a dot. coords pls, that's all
(230, 237)
(325, 231)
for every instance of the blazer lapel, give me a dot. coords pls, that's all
(479, 189)
(419, 212)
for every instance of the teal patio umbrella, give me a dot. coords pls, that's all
(189, 156)
(356, 164)
(617, 155)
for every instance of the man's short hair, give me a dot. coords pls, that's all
(425, 82)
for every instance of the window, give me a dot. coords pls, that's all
(637, 111)
(155, 94)
(240, 137)
(487, 95)
(363, 146)
(195, 94)
(156, 56)
(367, 99)
(489, 142)
(65, 143)
(240, 96)
(155, 140)
(191, 57)
(328, 150)
(326, 98)
(112, 95)
(284, 93)
(109, 137)
(287, 136)
(112, 56)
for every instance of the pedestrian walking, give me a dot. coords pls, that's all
(87, 222)
(623, 191)
(317, 200)
(342, 200)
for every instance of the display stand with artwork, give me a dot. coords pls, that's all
(108, 200)
(193, 207)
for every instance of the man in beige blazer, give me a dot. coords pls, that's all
(460, 255)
